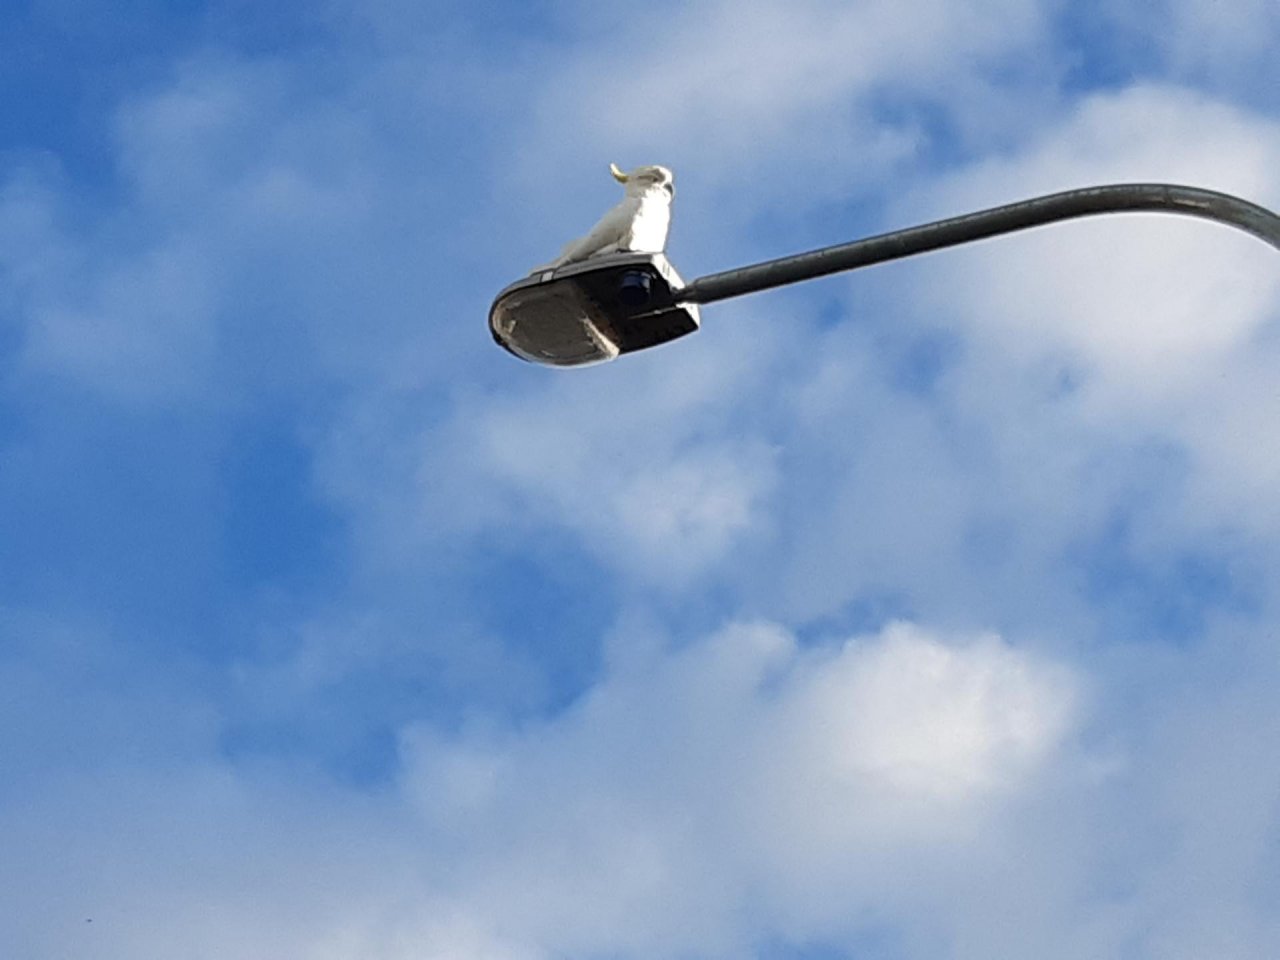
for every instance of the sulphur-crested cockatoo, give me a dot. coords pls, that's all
(636, 225)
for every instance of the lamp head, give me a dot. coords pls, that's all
(592, 311)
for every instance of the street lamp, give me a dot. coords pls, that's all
(606, 306)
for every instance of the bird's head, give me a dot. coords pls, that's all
(646, 178)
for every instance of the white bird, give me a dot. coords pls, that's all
(638, 224)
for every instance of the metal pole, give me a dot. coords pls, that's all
(1114, 198)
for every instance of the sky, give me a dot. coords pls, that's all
(927, 612)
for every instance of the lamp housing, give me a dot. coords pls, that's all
(592, 311)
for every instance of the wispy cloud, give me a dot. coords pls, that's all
(920, 613)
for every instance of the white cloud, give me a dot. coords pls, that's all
(143, 331)
(770, 109)
(745, 789)
(1222, 45)
(740, 770)
(257, 231)
(742, 791)
(1147, 300)
(1222, 34)
(642, 461)
(659, 514)
(931, 721)
(1154, 325)
(743, 73)
(696, 800)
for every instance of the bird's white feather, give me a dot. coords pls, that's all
(637, 224)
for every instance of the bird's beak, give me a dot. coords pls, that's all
(617, 174)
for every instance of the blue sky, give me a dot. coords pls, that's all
(924, 612)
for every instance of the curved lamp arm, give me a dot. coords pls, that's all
(1113, 198)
